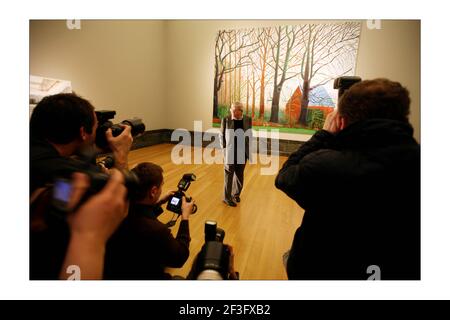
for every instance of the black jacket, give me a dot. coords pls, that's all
(48, 242)
(360, 190)
(143, 247)
(46, 164)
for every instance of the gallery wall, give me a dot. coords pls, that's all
(163, 71)
(116, 65)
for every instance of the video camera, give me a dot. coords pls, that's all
(345, 82)
(174, 203)
(104, 123)
(213, 260)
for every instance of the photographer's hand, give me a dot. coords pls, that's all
(186, 209)
(120, 146)
(333, 122)
(163, 199)
(92, 225)
(80, 184)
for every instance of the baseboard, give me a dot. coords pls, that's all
(154, 137)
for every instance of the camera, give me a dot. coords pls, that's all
(213, 260)
(62, 189)
(174, 203)
(345, 82)
(107, 162)
(104, 123)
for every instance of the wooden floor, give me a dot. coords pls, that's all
(260, 228)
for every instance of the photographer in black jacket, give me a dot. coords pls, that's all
(358, 180)
(62, 131)
(143, 246)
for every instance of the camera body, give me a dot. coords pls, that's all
(345, 82)
(175, 202)
(62, 189)
(104, 123)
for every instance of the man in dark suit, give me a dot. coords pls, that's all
(235, 139)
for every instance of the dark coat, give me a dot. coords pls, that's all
(143, 247)
(227, 140)
(360, 190)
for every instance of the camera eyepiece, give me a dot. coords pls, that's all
(345, 82)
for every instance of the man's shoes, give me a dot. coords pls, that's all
(237, 199)
(230, 203)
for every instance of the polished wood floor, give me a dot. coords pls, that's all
(260, 228)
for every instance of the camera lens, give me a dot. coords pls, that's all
(137, 126)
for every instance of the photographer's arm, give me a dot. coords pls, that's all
(92, 225)
(304, 166)
(178, 248)
(233, 275)
(163, 199)
(120, 146)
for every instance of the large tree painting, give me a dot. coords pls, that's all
(283, 75)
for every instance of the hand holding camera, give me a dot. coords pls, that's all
(98, 217)
(187, 208)
(117, 137)
(68, 195)
(120, 145)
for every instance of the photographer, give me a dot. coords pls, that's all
(143, 247)
(62, 134)
(62, 127)
(358, 180)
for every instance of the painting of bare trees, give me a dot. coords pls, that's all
(283, 75)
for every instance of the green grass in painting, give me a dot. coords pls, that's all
(284, 130)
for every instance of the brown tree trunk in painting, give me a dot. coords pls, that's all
(306, 86)
(225, 90)
(230, 75)
(262, 89)
(275, 103)
(236, 87)
(218, 78)
(239, 81)
(246, 104)
(289, 112)
(253, 94)
(304, 104)
(276, 88)
(229, 82)
(216, 100)
(234, 97)
(262, 98)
